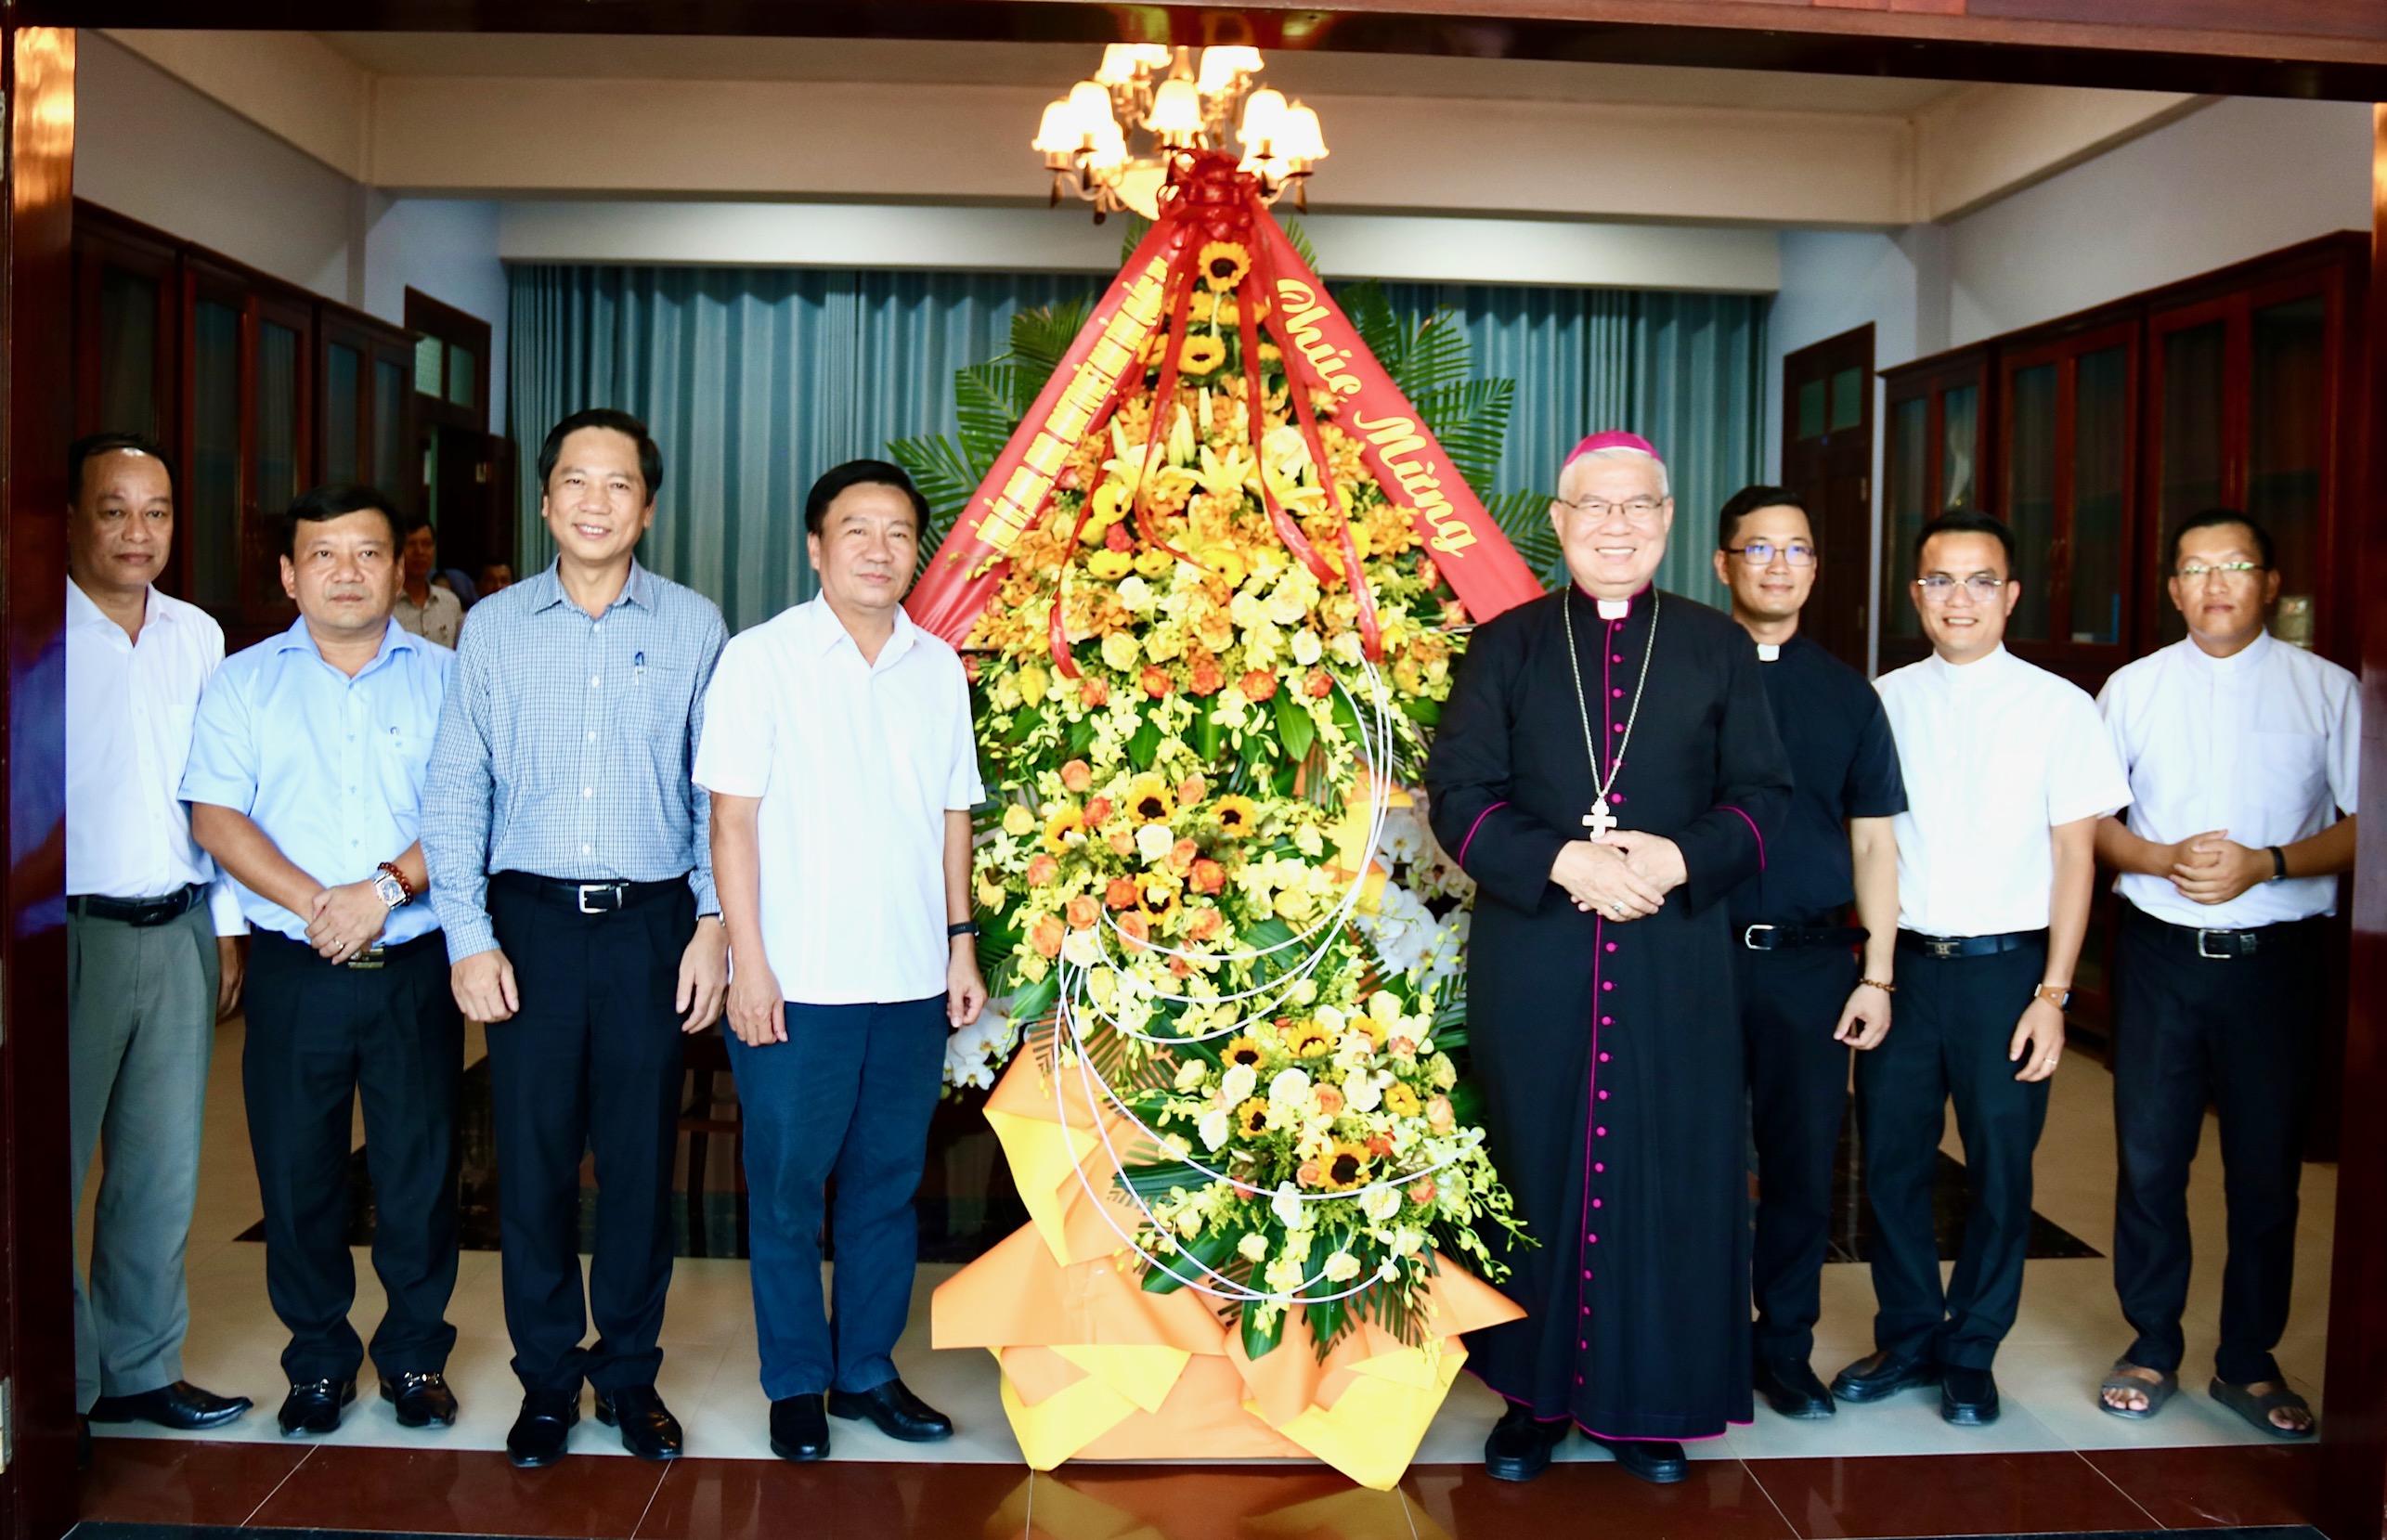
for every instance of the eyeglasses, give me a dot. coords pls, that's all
(1640, 511)
(1759, 553)
(1940, 587)
(2195, 571)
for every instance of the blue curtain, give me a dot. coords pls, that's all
(756, 380)
(1685, 371)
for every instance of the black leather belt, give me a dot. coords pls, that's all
(1764, 937)
(138, 912)
(371, 957)
(1968, 946)
(590, 897)
(2221, 945)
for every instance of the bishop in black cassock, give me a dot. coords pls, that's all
(1600, 975)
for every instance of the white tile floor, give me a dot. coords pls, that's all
(2069, 1331)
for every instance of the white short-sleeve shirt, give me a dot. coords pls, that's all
(1995, 753)
(856, 765)
(2265, 745)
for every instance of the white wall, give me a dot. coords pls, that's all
(2240, 178)
(448, 249)
(152, 149)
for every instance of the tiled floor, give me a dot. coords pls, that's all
(2054, 1461)
(474, 1492)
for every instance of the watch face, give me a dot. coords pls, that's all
(391, 891)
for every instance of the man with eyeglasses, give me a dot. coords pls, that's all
(2242, 753)
(1805, 1001)
(2008, 771)
(1607, 770)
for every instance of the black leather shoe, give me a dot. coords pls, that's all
(1968, 1397)
(649, 1431)
(800, 1430)
(181, 1405)
(1792, 1389)
(1658, 1460)
(895, 1411)
(1879, 1376)
(539, 1434)
(313, 1405)
(1519, 1447)
(421, 1399)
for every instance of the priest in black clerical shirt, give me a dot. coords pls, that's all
(1607, 770)
(1805, 999)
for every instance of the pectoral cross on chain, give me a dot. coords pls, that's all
(1600, 821)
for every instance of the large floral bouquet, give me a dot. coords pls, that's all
(1198, 741)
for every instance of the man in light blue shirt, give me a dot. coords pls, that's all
(305, 783)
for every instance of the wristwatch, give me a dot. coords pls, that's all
(2058, 995)
(391, 887)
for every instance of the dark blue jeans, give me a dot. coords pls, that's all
(849, 1095)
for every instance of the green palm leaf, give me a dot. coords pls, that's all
(1471, 420)
(1523, 517)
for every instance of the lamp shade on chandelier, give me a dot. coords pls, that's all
(1109, 141)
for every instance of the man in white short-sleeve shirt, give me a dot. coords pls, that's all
(2243, 754)
(2007, 770)
(838, 751)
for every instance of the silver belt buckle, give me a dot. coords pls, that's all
(614, 888)
(1944, 948)
(2217, 956)
(1749, 937)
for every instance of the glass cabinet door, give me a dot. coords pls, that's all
(2100, 485)
(343, 387)
(2287, 450)
(211, 523)
(1907, 509)
(2030, 477)
(1959, 448)
(277, 437)
(2068, 471)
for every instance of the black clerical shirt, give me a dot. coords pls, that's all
(1843, 765)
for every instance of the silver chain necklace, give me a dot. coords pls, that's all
(1600, 819)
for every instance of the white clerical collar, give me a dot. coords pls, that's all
(1769, 652)
(1989, 666)
(1611, 609)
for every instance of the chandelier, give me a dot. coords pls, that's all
(1109, 141)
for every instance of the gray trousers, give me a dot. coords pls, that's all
(140, 1028)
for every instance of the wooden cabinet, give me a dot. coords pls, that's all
(259, 389)
(2093, 436)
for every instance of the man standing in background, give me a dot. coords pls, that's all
(571, 869)
(1805, 1003)
(151, 964)
(2244, 754)
(305, 783)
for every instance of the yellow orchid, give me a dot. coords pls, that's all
(1224, 473)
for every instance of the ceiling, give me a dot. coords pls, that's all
(533, 55)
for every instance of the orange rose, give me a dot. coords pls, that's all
(1439, 1115)
(1077, 775)
(1181, 856)
(1329, 1100)
(1045, 937)
(1422, 1191)
(1257, 685)
(1093, 692)
(1381, 1146)
(1097, 811)
(1318, 686)
(1083, 912)
(1207, 877)
(1193, 788)
(1121, 894)
(1041, 869)
(1136, 928)
(1179, 967)
(1122, 843)
(1155, 681)
(1207, 923)
(1207, 680)
(1308, 1175)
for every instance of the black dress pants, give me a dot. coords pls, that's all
(1791, 1001)
(591, 1062)
(2236, 1032)
(1948, 1040)
(320, 1036)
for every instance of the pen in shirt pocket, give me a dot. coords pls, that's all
(638, 666)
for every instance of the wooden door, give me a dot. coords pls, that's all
(1827, 450)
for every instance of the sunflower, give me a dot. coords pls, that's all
(1236, 815)
(1402, 1102)
(1223, 263)
(1149, 800)
(1307, 1039)
(1202, 355)
(1251, 1118)
(1058, 829)
(1242, 1050)
(1343, 1166)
